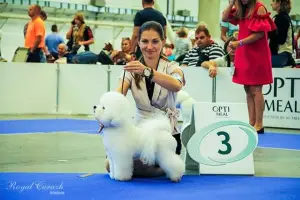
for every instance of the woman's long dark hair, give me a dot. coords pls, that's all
(241, 9)
(285, 5)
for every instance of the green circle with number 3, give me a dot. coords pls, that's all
(195, 141)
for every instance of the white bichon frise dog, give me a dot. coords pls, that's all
(151, 141)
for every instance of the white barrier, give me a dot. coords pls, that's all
(41, 88)
(282, 98)
(226, 91)
(198, 83)
(80, 87)
(27, 88)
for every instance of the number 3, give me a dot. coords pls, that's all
(225, 142)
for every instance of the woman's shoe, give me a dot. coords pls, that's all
(261, 131)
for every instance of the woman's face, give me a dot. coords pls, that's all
(126, 46)
(245, 2)
(77, 22)
(151, 44)
(275, 5)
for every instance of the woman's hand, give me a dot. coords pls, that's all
(233, 45)
(212, 71)
(135, 67)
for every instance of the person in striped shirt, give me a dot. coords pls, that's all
(205, 51)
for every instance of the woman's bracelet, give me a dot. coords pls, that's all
(241, 43)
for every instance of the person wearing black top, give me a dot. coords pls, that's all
(147, 14)
(79, 34)
(281, 39)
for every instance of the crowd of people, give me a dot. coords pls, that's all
(187, 51)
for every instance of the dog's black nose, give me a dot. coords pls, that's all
(95, 107)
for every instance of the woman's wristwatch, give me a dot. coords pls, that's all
(148, 73)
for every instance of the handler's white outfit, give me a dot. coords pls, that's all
(163, 101)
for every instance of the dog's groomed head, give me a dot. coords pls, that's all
(113, 109)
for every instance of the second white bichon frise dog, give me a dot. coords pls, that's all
(151, 141)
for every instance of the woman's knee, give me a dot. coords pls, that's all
(255, 90)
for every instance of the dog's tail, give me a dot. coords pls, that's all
(153, 132)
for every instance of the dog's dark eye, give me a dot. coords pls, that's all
(103, 108)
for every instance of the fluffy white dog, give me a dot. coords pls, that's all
(185, 102)
(151, 141)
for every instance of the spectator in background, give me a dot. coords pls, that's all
(35, 34)
(123, 56)
(79, 35)
(191, 36)
(43, 16)
(1, 59)
(297, 44)
(168, 51)
(281, 39)
(191, 33)
(53, 40)
(182, 43)
(44, 51)
(206, 50)
(252, 70)
(228, 30)
(63, 56)
(147, 14)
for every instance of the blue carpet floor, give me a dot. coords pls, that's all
(271, 140)
(46, 125)
(42, 186)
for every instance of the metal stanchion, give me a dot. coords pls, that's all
(57, 88)
(214, 90)
(108, 78)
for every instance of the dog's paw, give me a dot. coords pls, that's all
(111, 175)
(176, 179)
(123, 178)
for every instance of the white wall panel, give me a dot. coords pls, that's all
(27, 88)
(80, 87)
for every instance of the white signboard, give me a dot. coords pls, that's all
(282, 99)
(223, 141)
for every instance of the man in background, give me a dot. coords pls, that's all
(206, 50)
(53, 40)
(35, 34)
(147, 14)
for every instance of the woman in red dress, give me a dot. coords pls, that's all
(253, 67)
